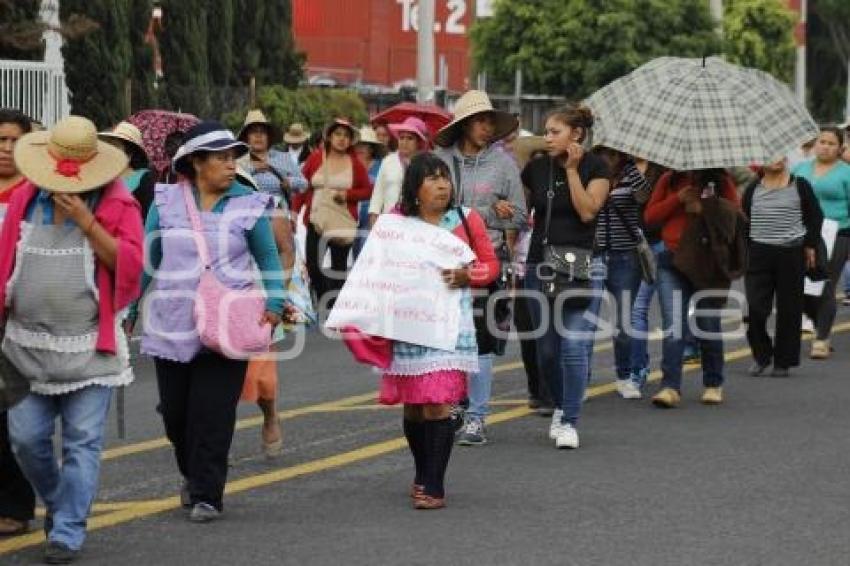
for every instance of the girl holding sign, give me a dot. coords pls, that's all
(424, 379)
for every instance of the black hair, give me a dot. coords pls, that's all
(138, 158)
(574, 115)
(376, 150)
(12, 116)
(838, 132)
(184, 166)
(422, 166)
(334, 127)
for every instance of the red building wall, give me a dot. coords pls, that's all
(375, 40)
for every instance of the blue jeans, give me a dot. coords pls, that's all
(362, 228)
(67, 491)
(622, 283)
(564, 355)
(640, 325)
(675, 293)
(479, 387)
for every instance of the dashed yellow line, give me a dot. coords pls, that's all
(139, 510)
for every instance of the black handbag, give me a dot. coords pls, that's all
(643, 251)
(565, 268)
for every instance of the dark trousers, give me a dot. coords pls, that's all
(537, 387)
(198, 402)
(17, 500)
(775, 272)
(315, 252)
(822, 310)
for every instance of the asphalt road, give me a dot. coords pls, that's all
(762, 479)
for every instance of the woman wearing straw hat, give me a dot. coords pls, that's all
(17, 500)
(199, 388)
(296, 138)
(487, 180)
(137, 176)
(70, 261)
(371, 153)
(275, 173)
(412, 138)
(332, 167)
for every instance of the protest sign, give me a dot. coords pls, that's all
(395, 289)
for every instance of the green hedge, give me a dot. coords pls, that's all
(313, 107)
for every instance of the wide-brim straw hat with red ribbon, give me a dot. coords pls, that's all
(69, 158)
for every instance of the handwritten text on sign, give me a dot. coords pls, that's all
(395, 289)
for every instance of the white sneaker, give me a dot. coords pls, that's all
(567, 437)
(628, 389)
(807, 325)
(556, 426)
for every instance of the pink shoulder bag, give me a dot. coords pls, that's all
(228, 320)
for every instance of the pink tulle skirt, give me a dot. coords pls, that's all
(437, 387)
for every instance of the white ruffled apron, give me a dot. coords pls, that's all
(52, 300)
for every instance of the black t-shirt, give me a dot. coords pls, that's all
(566, 225)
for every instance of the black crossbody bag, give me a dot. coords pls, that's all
(565, 268)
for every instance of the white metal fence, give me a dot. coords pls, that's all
(36, 89)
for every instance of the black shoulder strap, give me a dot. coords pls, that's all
(630, 228)
(458, 186)
(550, 196)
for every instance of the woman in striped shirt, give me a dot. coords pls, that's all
(617, 235)
(785, 224)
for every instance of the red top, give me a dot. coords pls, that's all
(666, 210)
(6, 195)
(486, 266)
(361, 188)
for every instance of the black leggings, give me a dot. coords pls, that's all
(322, 281)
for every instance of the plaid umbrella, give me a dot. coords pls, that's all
(155, 126)
(699, 114)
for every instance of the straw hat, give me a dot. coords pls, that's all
(411, 125)
(296, 134)
(69, 158)
(524, 146)
(471, 103)
(345, 124)
(256, 117)
(129, 134)
(206, 136)
(368, 135)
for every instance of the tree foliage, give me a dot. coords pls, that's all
(828, 58)
(20, 30)
(760, 34)
(97, 64)
(141, 69)
(313, 107)
(220, 40)
(573, 47)
(280, 63)
(185, 55)
(263, 44)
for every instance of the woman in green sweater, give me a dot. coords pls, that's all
(830, 179)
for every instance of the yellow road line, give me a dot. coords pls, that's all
(148, 508)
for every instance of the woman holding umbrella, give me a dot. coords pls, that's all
(830, 179)
(412, 138)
